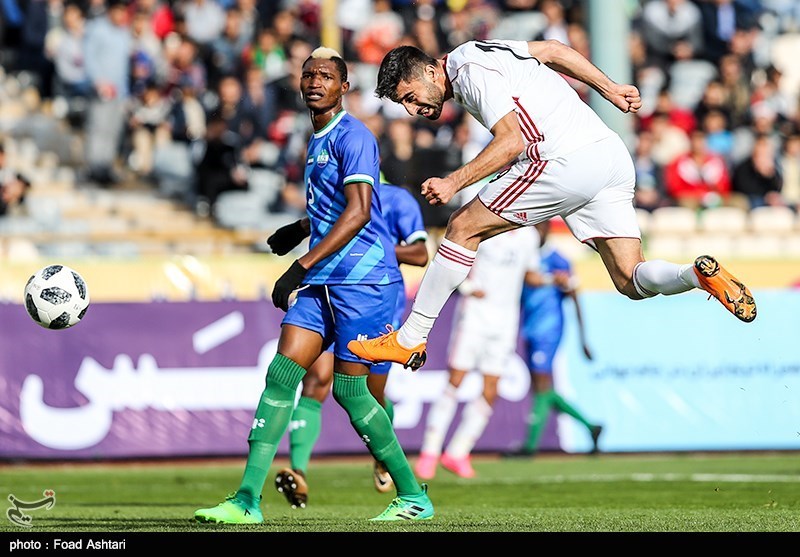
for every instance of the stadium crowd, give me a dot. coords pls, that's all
(201, 97)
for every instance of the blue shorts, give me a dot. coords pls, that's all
(541, 351)
(340, 313)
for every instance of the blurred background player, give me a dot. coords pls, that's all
(542, 330)
(350, 284)
(404, 219)
(484, 336)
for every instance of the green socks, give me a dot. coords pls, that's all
(563, 406)
(271, 420)
(542, 403)
(304, 431)
(372, 424)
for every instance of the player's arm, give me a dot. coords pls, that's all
(572, 292)
(569, 61)
(354, 217)
(415, 253)
(505, 146)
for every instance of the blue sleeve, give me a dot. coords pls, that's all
(560, 263)
(357, 152)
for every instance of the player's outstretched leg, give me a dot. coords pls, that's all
(726, 288)
(408, 507)
(385, 348)
(293, 486)
(230, 511)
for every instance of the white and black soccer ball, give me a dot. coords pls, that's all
(56, 297)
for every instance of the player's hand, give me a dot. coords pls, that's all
(625, 97)
(286, 238)
(438, 191)
(287, 284)
(478, 294)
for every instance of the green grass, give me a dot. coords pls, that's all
(608, 493)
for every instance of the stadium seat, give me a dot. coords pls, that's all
(673, 220)
(759, 246)
(665, 246)
(771, 219)
(723, 219)
(241, 209)
(718, 245)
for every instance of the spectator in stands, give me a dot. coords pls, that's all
(790, 170)
(149, 111)
(250, 21)
(556, 26)
(678, 116)
(721, 19)
(672, 30)
(714, 98)
(184, 63)
(205, 20)
(109, 42)
(737, 89)
(149, 63)
(669, 141)
(698, 179)
(270, 56)
(13, 187)
(756, 179)
(227, 50)
(64, 46)
(397, 150)
(718, 137)
(381, 34)
(219, 169)
(649, 193)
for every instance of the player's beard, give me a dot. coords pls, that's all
(436, 100)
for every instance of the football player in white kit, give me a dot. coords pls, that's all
(553, 157)
(483, 338)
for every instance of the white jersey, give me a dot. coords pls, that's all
(492, 78)
(499, 272)
(485, 329)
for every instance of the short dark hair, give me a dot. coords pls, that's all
(404, 63)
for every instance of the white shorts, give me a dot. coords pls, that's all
(591, 189)
(471, 349)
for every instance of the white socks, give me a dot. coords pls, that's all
(440, 417)
(449, 268)
(662, 277)
(474, 419)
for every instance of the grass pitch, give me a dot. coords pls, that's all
(750, 492)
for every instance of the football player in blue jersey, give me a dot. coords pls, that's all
(406, 227)
(541, 328)
(347, 284)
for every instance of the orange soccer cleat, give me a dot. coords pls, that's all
(385, 348)
(726, 288)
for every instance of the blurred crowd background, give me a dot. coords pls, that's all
(125, 119)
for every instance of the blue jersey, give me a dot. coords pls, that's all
(403, 214)
(344, 152)
(542, 310)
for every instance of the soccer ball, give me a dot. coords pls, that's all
(56, 297)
